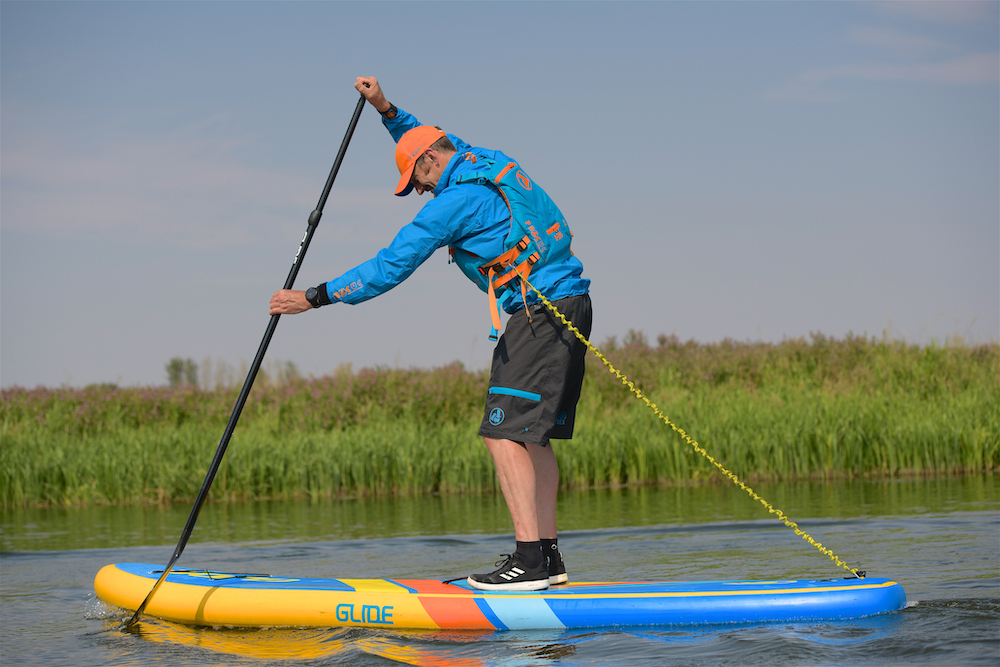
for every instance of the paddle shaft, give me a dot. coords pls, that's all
(314, 218)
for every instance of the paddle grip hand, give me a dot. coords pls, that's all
(369, 88)
(289, 302)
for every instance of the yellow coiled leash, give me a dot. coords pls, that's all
(698, 448)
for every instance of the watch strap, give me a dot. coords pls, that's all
(319, 296)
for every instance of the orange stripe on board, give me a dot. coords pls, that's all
(450, 607)
(455, 613)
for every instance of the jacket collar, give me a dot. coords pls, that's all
(452, 171)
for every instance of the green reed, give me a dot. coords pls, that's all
(798, 409)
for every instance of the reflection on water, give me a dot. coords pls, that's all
(462, 649)
(329, 519)
(268, 644)
(407, 647)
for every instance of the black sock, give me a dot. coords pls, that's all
(530, 553)
(550, 547)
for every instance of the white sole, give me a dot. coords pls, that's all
(558, 579)
(536, 585)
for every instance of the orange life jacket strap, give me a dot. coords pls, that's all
(521, 270)
(508, 258)
(524, 296)
(494, 310)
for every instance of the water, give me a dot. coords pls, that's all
(939, 538)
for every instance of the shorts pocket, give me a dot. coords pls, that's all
(520, 393)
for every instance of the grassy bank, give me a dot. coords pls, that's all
(823, 407)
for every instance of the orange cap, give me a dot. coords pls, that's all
(410, 147)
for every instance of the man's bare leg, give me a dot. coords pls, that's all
(546, 489)
(516, 471)
(527, 568)
(529, 479)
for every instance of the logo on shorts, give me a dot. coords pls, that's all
(561, 419)
(496, 416)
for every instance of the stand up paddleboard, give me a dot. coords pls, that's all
(200, 597)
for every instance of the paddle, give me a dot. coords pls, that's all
(241, 401)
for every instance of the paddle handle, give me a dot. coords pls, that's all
(314, 219)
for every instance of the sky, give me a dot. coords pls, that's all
(757, 171)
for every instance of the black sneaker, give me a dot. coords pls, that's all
(557, 569)
(512, 575)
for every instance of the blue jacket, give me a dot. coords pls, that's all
(470, 217)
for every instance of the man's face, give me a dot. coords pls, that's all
(426, 172)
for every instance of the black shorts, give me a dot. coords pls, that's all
(537, 374)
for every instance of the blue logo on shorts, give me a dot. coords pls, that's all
(561, 420)
(496, 416)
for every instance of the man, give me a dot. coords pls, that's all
(482, 202)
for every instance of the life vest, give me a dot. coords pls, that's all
(538, 235)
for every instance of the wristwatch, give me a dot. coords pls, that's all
(312, 296)
(318, 296)
(391, 112)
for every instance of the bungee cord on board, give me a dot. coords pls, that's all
(694, 445)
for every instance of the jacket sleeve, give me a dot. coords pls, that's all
(401, 124)
(440, 222)
(405, 121)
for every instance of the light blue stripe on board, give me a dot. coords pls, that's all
(507, 391)
(488, 613)
(522, 612)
